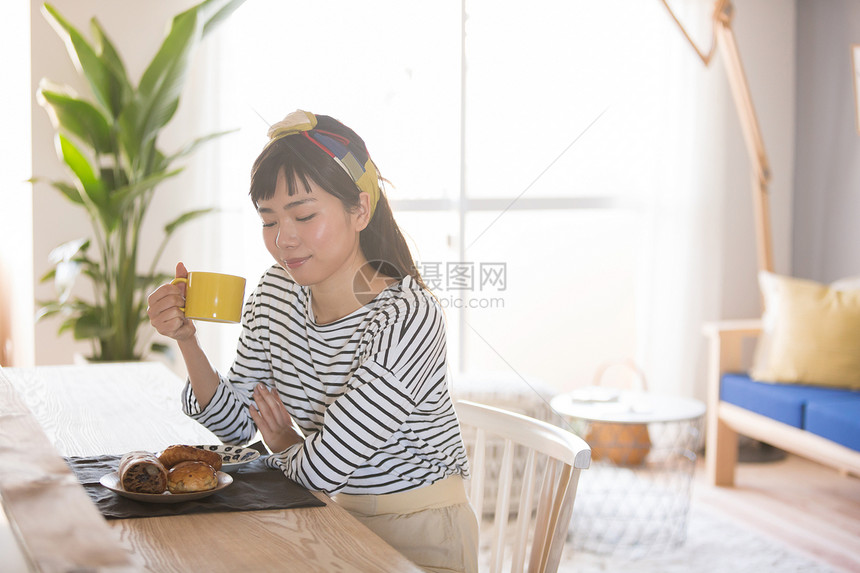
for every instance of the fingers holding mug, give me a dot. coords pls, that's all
(184, 289)
(166, 313)
(180, 273)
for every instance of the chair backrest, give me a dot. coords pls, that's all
(541, 521)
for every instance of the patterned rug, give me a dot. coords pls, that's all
(714, 544)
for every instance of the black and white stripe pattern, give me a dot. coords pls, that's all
(369, 391)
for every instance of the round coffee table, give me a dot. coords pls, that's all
(636, 496)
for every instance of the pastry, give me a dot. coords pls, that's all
(142, 472)
(179, 453)
(187, 477)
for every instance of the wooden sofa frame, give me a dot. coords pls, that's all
(725, 421)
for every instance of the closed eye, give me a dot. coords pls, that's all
(308, 218)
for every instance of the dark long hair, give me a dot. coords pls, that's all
(381, 241)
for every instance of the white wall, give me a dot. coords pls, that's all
(16, 255)
(765, 32)
(827, 193)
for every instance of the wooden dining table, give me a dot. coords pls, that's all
(50, 412)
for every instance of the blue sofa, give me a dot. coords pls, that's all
(822, 424)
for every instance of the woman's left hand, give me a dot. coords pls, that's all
(273, 420)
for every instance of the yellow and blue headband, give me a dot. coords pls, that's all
(364, 174)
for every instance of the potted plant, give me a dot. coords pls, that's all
(109, 143)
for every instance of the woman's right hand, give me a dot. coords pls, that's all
(165, 304)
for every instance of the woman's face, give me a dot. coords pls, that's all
(312, 235)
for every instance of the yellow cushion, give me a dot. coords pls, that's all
(810, 333)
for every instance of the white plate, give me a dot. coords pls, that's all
(231, 456)
(111, 481)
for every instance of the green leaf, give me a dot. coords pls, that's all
(68, 250)
(68, 324)
(83, 56)
(122, 198)
(189, 148)
(85, 328)
(160, 348)
(144, 282)
(121, 90)
(167, 112)
(92, 271)
(161, 83)
(77, 117)
(49, 309)
(185, 218)
(80, 166)
(69, 191)
(69, 260)
(159, 161)
(213, 21)
(130, 135)
(162, 278)
(65, 278)
(89, 324)
(113, 178)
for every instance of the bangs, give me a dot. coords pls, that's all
(302, 162)
(281, 155)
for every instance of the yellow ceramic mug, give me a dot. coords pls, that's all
(213, 297)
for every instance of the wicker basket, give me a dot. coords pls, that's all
(622, 444)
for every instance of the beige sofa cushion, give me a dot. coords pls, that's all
(810, 334)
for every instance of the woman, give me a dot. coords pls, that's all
(342, 338)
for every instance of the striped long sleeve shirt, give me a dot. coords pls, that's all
(369, 391)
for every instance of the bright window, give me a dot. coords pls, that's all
(522, 180)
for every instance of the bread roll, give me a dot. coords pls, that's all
(187, 477)
(141, 472)
(179, 453)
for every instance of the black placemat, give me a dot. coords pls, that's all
(254, 487)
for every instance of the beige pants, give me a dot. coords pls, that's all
(434, 526)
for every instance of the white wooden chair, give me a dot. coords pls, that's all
(540, 522)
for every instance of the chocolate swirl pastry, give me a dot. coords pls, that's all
(142, 472)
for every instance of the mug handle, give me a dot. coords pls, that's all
(180, 280)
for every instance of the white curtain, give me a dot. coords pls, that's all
(703, 261)
(682, 274)
(681, 285)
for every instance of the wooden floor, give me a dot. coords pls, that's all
(803, 504)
